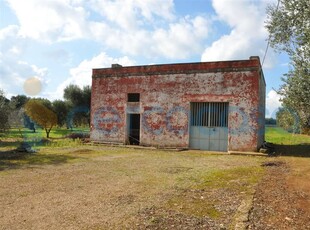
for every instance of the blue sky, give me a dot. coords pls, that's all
(58, 42)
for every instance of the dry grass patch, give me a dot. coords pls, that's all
(98, 187)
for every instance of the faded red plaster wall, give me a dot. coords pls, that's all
(165, 95)
(261, 109)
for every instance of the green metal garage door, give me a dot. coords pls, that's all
(209, 126)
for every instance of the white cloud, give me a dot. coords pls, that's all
(272, 103)
(14, 50)
(13, 71)
(182, 39)
(50, 20)
(9, 38)
(137, 28)
(179, 40)
(133, 27)
(248, 36)
(8, 31)
(81, 75)
(131, 14)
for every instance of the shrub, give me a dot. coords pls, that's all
(78, 135)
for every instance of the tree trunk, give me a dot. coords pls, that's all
(47, 133)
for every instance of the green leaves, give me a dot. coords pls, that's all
(289, 27)
(289, 30)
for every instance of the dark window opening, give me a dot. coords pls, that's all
(133, 97)
(209, 114)
(134, 129)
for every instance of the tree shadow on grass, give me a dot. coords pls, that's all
(301, 150)
(65, 132)
(15, 160)
(10, 143)
(16, 143)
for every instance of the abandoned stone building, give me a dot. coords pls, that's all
(216, 106)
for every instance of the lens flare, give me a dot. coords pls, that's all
(32, 86)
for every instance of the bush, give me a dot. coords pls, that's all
(78, 135)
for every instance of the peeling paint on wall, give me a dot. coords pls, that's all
(107, 120)
(166, 92)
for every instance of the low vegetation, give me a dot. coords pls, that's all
(74, 185)
(279, 136)
(122, 185)
(34, 113)
(41, 115)
(288, 144)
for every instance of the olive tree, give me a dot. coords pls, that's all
(41, 115)
(289, 29)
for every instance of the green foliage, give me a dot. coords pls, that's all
(73, 111)
(18, 101)
(77, 96)
(74, 95)
(4, 118)
(296, 94)
(289, 29)
(61, 108)
(288, 120)
(45, 102)
(41, 114)
(270, 121)
(87, 95)
(4, 112)
(79, 101)
(16, 119)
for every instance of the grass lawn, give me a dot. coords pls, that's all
(288, 144)
(278, 135)
(14, 137)
(40, 133)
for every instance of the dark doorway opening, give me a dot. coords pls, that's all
(134, 129)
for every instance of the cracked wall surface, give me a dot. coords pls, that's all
(166, 92)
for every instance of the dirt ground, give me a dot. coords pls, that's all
(282, 198)
(116, 188)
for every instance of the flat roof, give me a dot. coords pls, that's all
(196, 67)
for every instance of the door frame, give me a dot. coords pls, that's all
(130, 139)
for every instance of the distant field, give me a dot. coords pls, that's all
(55, 133)
(288, 144)
(14, 137)
(273, 134)
(279, 136)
